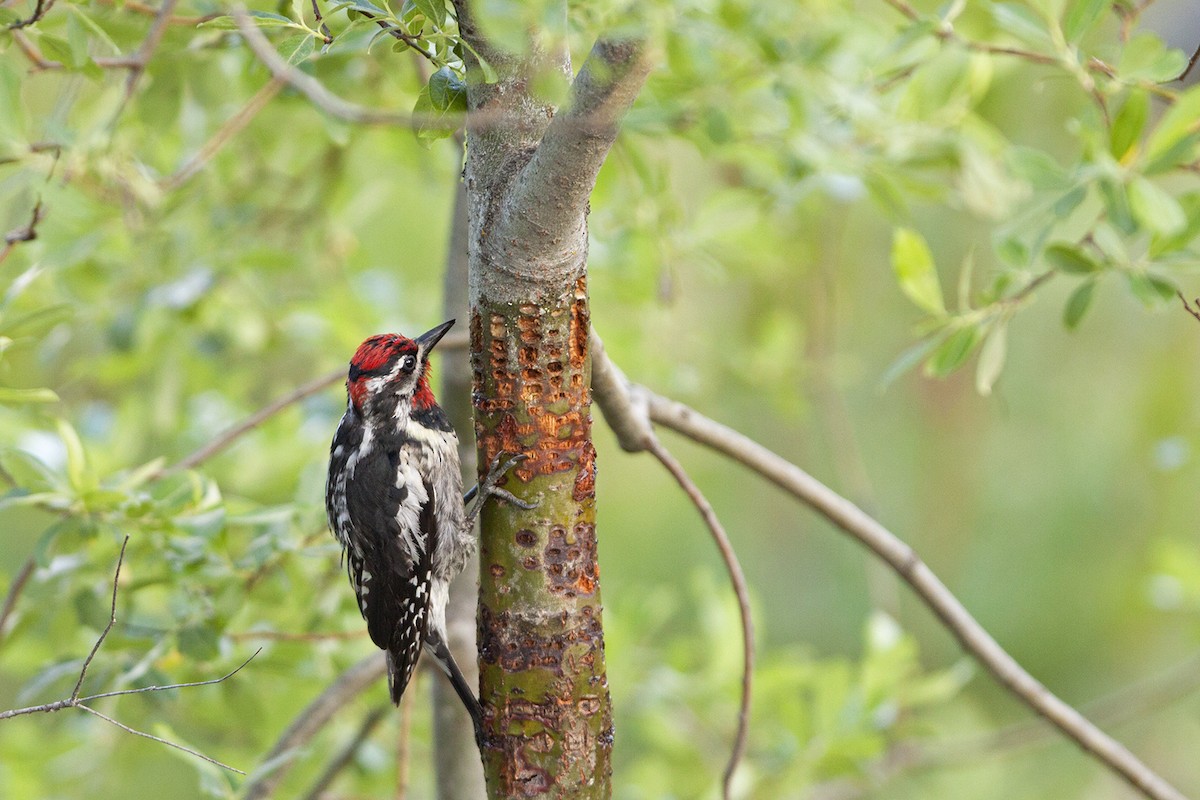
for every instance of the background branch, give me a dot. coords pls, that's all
(868, 532)
(346, 755)
(738, 578)
(309, 722)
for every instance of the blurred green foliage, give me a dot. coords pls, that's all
(186, 272)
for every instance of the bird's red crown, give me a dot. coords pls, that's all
(376, 356)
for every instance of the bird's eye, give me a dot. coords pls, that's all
(408, 363)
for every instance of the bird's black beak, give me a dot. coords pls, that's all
(428, 339)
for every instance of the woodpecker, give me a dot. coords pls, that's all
(395, 503)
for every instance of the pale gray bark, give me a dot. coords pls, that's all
(459, 770)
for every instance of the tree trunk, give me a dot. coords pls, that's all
(459, 774)
(529, 173)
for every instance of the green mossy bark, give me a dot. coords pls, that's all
(542, 675)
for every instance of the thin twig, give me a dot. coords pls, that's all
(149, 11)
(40, 9)
(140, 60)
(75, 701)
(18, 585)
(1195, 312)
(1190, 65)
(321, 23)
(738, 578)
(160, 740)
(232, 127)
(343, 758)
(112, 620)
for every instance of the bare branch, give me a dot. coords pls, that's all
(40, 9)
(309, 722)
(232, 127)
(154, 738)
(738, 578)
(112, 620)
(75, 701)
(251, 422)
(1195, 312)
(970, 634)
(188, 685)
(149, 45)
(18, 585)
(343, 758)
(309, 86)
(1191, 64)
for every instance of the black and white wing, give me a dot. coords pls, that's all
(391, 507)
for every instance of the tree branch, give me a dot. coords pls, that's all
(75, 701)
(309, 86)
(232, 127)
(970, 634)
(548, 202)
(901, 558)
(40, 9)
(309, 722)
(343, 758)
(738, 578)
(14, 591)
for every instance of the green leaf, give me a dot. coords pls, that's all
(991, 358)
(261, 19)
(1155, 208)
(1128, 124)
(1078, 304)
(953, 352)
(1147, 58)
(1023, 23)
(447, 92)
(1179, 122)
(1116, 206)
(21, 396)
(95, 28)
(1070, 258)
(911, 356)
(1151, 289)
(58, 49)
(489, 73)
(199, 642)
(433, 10)
(297, 49)
(37, 321)
(1082, 15)
(77, 472)
(914, 268)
